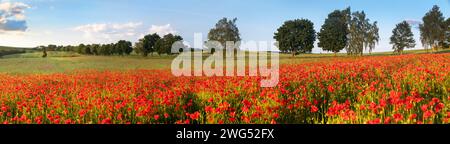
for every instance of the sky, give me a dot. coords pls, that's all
(29, 23)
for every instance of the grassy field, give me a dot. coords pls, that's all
(58, 62)
(4, 51)
(63, 62)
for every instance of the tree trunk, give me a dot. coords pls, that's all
(335, 54)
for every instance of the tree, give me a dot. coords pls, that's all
(146, 44)
(164, 45)
(159, 46)
(117, 49)
(112, 48)
(149, 43)
(59, 48)
(432, 31)
(51, 47)
(124, 47)
(402, 37)
(372, 37)
(109, 49)
(81, 48)
(362, 34)
(296, 36)
(87, 50)
(128, 47)
(44, 51)
(447, 34)
(139, 47)
(95, 48)
(333, 34)
(225, 30)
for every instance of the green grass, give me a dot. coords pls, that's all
(39, 54)
(13, 50)
(51, 64)
(59, 62)
(420, 51)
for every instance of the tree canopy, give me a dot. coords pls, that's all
(432, 31)
(296, 36)
(446, 42)
(164, 45)
(146, 44)
(402, 37)
(362, 34)
(333, 34)
(124, 47)
(225, 30)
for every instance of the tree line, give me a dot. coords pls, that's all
(122, 47)
(342, 29)
(149, 44)
(354, 32)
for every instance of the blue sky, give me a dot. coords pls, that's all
(72, 22)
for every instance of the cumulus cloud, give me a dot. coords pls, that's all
(109, 31)
(12, 16)
(162, 29)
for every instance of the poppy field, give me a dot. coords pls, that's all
(406, 89)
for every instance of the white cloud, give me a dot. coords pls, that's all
(91, 28)
(414, 23)
(162, 30)
(109, 31)
(48, 32)
(12, 16)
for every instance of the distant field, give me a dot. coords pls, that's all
(58, 62)
(63, 62)
(13, 50)
(39, 54)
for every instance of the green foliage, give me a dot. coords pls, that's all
(87, 50)
(402, 37)
(120, 48)
(432, 31)
(124, 47)
(12, 50)
(164, 45)
(139, 47)
(146, 45)
(225, 30)
(296, 36)
(44, 51)
(333, 34)
(372, 37)
(95, 49)
(362, 34)
(446, 42)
